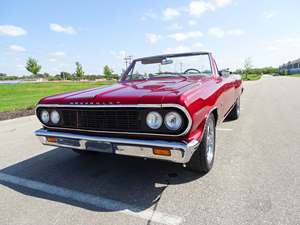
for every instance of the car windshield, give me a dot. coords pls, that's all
(169, 66)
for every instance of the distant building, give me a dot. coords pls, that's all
(292, 67)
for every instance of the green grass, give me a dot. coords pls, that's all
(294, 75)
(251, 77)
(26, 95)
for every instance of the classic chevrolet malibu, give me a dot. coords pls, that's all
(164, 107)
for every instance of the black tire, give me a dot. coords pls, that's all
(235, 112)
(203, 159)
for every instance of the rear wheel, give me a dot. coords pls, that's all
(203, 158)
(235, 112)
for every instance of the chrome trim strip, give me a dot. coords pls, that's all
(181, 152)
(100, 106)
(180, 107)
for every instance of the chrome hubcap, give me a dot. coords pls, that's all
(210, 142)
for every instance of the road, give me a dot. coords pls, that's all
(255, 179)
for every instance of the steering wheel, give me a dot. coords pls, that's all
(188, 70)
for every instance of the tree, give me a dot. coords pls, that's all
(108, 72)
(32, 66)
(79, 71)
(66, 76)
(247, 66)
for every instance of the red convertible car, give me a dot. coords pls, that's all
(164, 107)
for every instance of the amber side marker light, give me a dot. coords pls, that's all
(52, 139)
(162, 151)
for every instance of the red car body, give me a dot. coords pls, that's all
(199, 96)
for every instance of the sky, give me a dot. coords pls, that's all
(97, 33)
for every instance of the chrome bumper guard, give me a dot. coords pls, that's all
(180, 152)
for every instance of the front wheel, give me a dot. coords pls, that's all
(236, 111)
(203, 158)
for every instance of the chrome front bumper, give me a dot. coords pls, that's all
(180, 152)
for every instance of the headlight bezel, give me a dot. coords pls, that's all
(52, 113)
(178, 117)
(164, 129)
(158, 115)
(48, 115)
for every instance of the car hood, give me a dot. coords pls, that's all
(152, 91)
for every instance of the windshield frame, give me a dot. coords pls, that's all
(126, 74)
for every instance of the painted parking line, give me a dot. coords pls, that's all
(223, 129)
(99, 202)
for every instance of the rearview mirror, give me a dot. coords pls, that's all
(166, 61)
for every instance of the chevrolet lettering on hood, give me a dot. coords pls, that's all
(94, 103)
(164, 107)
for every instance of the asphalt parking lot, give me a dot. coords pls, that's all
(255, 179)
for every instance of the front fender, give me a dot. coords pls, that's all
(199, 122)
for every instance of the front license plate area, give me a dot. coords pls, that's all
(99, 147)
(68, 142)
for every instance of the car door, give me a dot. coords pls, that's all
(226, 90)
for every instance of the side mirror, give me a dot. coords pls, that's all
(225, 73)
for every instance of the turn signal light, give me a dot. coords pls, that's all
(52, 139)
(162, 151)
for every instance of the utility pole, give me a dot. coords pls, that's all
(127, 60)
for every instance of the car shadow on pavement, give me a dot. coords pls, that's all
(133, 181)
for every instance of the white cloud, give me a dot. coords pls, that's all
(220, 33)
(197, 8)
(269, 14)
(175, 26)
(179, 49)
(216, 32)
(194, 8)
(185, 36)
(152, 38)
(195, 34)
(178, 36)
(52, 60)
(59, 28)
(58, 54)
(17, 48)
(11, 30)
(170, 13)
(235, 32)
(192, 23)
(223, 3)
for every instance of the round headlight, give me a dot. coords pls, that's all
(173, 121)
(154, 120)
(45, 116)
(55, 117)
